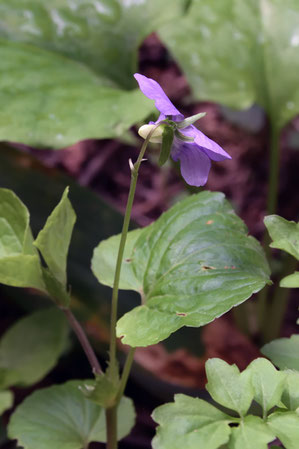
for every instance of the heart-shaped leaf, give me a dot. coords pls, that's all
(189, 423)
(192, 265)
(31, 347)
(65, 66)
(228, 386)
(240, 53)
(60, 417)
(268, 383)
(19, 260)
(284, 352)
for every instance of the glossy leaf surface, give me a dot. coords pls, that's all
(283, 352)
(31, 347)
(189, 423)
(239, 53)
(19, 260)
(54, 239)
(65, 65)
(228, 386)
(192, 265)
(60, 417)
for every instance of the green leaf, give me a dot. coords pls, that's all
(31, 347)
(290, 397)
(228, 386)
(283, 352)
(167, 140)
(66, 64)
(19, 260)
(284, 233)
(240, 53)
(268, 383)
(192, 265)
(6, 400)
(61, 417)
(291, 281)
(190, 423)
(286, 428)
(54, 239)
(251, 429)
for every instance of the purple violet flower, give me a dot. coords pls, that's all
(195, 157)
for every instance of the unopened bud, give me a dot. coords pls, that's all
(156, 137)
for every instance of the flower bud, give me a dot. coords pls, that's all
(156, 137)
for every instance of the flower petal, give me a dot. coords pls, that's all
(195, 164)
(211, 148)
(151, 89)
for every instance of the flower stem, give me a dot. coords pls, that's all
(111, 419)
(125, 374)
(86, 346)
(262, 306)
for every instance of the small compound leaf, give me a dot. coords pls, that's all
(291, 281)
(190, 423)
(19, 260)
(268, 383)
(61, 417)
(167, 140)
(284, 233)
(192, 265)
(228, 386)
(251, 428)
(290, 396)
(283, 352)
(31, 347)
(6, 400)
(286, 427)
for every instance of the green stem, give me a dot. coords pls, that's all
(111, 414)
(279, 304)
(125, 374)
(111, 427)
(262, 306)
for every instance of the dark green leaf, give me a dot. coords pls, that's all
(283, 352)
(240, 53)
(19, 260)
(54, 239)
(31, 347)
(190, 423)
(65, 65)
(228, 386)
(192, 265)
(60, 417)
(6, 400)
(167, 140)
